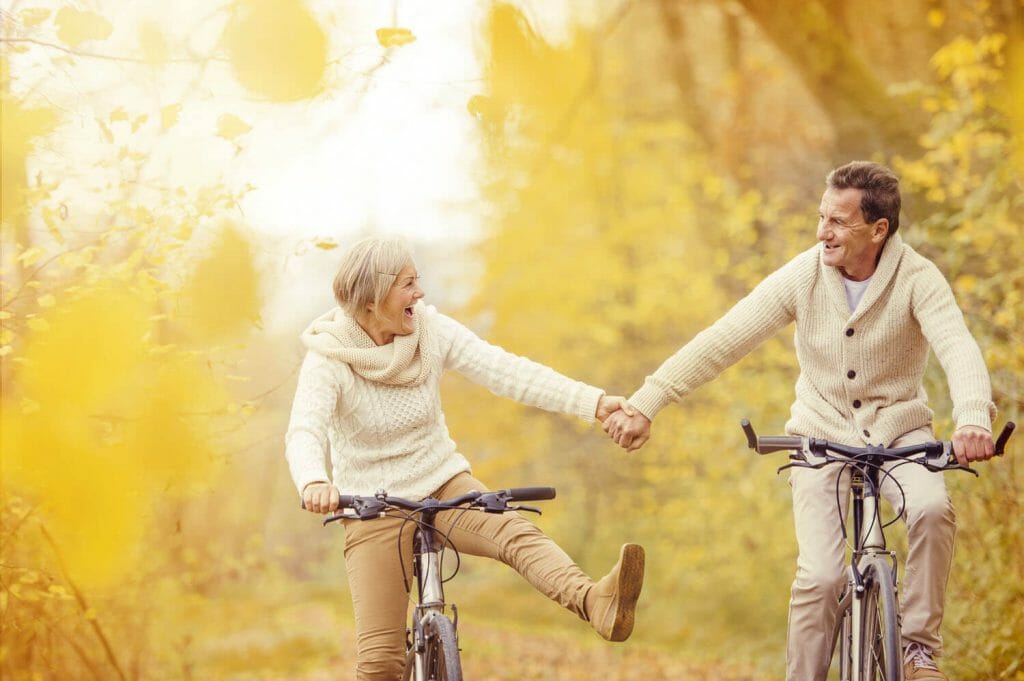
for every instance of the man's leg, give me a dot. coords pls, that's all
(931, 526)
(820, 576)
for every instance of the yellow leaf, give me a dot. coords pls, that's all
(118, 114)
(38, 324)
(4, 314)
(936, 17)
(326, 244)
(19, 128)
(46, 300)
(277, 49)
(223, 295)
(394, 37)
(230, 126)
(153, 44)
(74, 27)
(169, 115)
(31, 256)
(33, 16)
(5, 350)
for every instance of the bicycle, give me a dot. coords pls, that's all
(432, 649)
(867, 631)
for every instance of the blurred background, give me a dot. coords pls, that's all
(587, 183)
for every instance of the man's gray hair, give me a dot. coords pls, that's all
(368, 271)
(880, 189)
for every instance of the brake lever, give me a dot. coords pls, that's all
(948, 467)
(336, 516)
(531, 509)
(797, 464)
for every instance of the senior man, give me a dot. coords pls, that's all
(867, 307)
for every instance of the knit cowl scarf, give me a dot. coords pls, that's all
(406, 361)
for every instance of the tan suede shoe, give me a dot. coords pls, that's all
(611, 602)
(918, 664)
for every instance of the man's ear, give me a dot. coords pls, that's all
(879, 230)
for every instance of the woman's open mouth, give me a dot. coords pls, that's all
(408, 312)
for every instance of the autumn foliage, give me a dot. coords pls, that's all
(641, 170)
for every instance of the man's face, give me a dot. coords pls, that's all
(848, 242)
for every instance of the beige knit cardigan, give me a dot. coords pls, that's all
(861, 373)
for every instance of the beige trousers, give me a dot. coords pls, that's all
(820, 575)
(376, 579)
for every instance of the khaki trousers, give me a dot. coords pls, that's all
(820, 575)
(375, 573)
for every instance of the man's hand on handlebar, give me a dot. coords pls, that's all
(972, 443)
(320, 497)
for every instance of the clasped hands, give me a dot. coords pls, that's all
(626, 426)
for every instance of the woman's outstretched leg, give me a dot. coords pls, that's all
(609, 604)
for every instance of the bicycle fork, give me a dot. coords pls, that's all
(869, 543)
(430, 592)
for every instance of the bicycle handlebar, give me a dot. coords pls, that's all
(815, 451)
(489, 502)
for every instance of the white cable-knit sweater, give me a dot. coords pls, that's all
(380, 436)
(861, 373)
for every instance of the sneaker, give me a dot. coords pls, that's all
(918, 663)
(611, 602)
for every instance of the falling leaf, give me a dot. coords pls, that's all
(153, 44)
(277, 49)
(138, 121)
(230, 126)
(169, 115)
(31, 256)
(46, 300)
(33, 16)
(213, 310)
(74, 27)
(38, 324)
(326, 244)
(20, 127)
(394, 37)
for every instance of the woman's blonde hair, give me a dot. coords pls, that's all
(368, 271)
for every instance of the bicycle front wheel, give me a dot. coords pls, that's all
(881, 653)
(441, 652)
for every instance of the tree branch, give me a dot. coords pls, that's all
(84, 605)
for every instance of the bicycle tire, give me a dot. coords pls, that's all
(442, 650)
(880, 633)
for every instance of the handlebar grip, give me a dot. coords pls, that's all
(1004, 436)
(778, 443)
(530, 493)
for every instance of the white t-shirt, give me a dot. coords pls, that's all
(855, 291)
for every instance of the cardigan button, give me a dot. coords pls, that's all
(867, 434)
(856, 404)
(851, 374)
(849, 332)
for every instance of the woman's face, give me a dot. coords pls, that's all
(394, 318)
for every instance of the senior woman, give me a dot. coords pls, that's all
(368, 401)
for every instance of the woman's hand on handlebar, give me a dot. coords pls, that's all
(972, 443)
(320, 497)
